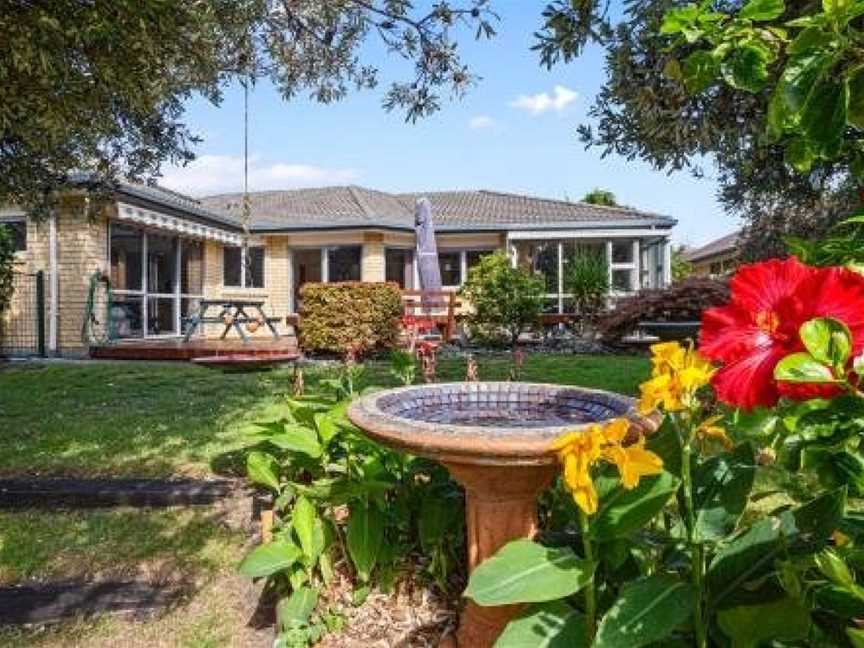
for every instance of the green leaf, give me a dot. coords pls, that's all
(307, 526)
(746, 68)
(800, 77)
(677, 20)
(523, 571)
(647, 610)
(856, 636)
(833, 568)
(365, 536)
(297, 438)
(700, 71)
(545, 625)
(624, 511)
(326, 426)
(809, 39)
(817, 519)
(839, 601)
(799, 155)
(803, 368)
(296, 609)
(849, 468)
(262, 468)
(748, 626)
(855, 84)
(828, 340)
(761, 10)
(666, 444)
(722, 488)
(823, 117)
(270, 558)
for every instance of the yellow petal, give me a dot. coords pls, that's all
(565, 440)
(586, 499)
(616, 431)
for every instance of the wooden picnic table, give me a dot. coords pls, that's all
(233, 314)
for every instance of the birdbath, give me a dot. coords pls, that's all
(494, 438)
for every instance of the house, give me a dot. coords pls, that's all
(165, 251)
(717, 258)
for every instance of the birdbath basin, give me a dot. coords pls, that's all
(494, 438)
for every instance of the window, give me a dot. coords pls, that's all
(622, 252)
(192, 268)
(622, 280)
(450, 264)
(161, 264)
(343, 263)
(399, 267)
(127, 251)
(18, 230)
(233, 275)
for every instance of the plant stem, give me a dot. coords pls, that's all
(590, 598)
(697, 559)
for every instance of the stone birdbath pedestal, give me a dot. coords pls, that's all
(494, 438)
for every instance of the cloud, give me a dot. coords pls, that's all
(538, 104)
(482, 122)
(211, 174)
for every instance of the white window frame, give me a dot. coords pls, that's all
(243, 250)
(176, 295)
(463, 262)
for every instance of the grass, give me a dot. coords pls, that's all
(160, 420)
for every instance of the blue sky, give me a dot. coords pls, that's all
(504, 135)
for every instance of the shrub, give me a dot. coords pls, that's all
(587, 279)
(505, 300)
(683, 301)
(337, 317)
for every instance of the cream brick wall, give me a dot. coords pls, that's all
(372, 265)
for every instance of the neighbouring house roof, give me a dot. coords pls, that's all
(718, 247)
(478, 210)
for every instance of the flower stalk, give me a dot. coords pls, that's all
(589, 590)
(697, 557)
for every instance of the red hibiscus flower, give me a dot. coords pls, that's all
(760, 325)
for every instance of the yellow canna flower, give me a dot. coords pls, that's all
(580, 451)
(667, 357)
(708, 431)
(678, 373)
(660, 390)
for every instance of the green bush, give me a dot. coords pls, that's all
(337, 317)
(505, 300)
(587, 279)
(7, 256)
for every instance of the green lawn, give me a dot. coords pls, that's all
(157, 420)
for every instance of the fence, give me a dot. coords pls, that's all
(22, 326)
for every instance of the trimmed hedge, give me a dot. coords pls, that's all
(339, 316)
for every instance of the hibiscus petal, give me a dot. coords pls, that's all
(839, 293)
(729, 332)
(762, 286)
(749, 382)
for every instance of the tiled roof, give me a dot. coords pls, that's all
(722, 245)
(351, 206)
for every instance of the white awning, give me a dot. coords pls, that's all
(147, 218)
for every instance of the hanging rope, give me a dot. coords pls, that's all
(94, 330)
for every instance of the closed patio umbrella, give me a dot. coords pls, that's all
(427, 250)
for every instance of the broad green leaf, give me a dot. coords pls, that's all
(828, 340)
(799, 155)
(855, 83)
(700, 71)
(839, 601)
(809, 39)
(364, 536)
(326, 426)
(803, 368)
(304, 519)
(624, 511)
(748, 626)
(800, 77)
(722, 488)
(439, 515)
(817, 519)
(270, 558)
(523, 571)
(823, 117)
(262, 468)
(832, 422)
(856, 636)
(646, 611)
(746, 68)
(833, 568)
(761, 10)
(545, 625)
(297, 438)
(666, 444)
(850, 471)
(677, 20)
(296, 609)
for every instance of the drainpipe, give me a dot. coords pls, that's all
(53, 282)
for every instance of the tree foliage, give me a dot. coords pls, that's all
(101, 86)
(587, 280)
(645, 109)
(601, 197)
(505, 299)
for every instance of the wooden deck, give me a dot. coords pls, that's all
(176, 349)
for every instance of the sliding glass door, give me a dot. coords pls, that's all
(156, 281)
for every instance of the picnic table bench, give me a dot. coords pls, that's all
(232, 313)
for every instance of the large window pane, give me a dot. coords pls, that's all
(232, 267)
(127, 316)
(255, 267)
(161, 263)
(622, 280)
(622, 252)
(541, 257)
(344, 263)
(127, 248)
(398, 267)
(192, 268)
(451, 268)
(161, 318)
